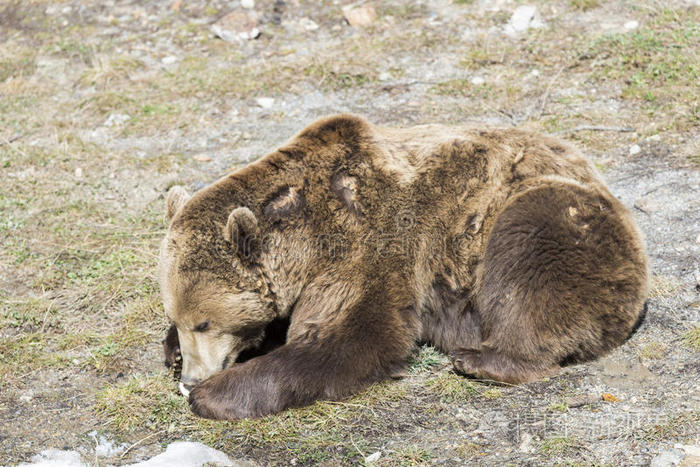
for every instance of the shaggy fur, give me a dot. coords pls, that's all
(500, 247)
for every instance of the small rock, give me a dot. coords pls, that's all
(654, 138)
(581, 400)
(75, 360)
(630, 25)
(385, 76)
(78, 173)
(26, 397)
(635, 149)
(477, 80)
(278, 10)
(647, 205)
(236, 27)
(265, 102)
(697, 240)
(373, 457)
(535, 73)
(525, 443)
(308, 24)
(249, 4)
(202, 158)
(116, 119)
(360, 15)
(524, 17)
(169, 60)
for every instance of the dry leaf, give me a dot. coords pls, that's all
(607, 397)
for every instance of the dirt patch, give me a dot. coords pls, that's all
(104, 106)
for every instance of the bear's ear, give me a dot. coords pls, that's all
(177, 197)
(242, 231)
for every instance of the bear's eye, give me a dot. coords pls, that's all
(201, 327)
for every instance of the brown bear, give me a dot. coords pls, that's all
(500, 247)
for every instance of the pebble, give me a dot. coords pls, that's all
(116, 119)
(385, 76)
(630, 25)
(236, 27)
(202, 158)
(248, 4)
(477, 80)
(308, 24)
(78, 173)
(169, 60)
(373, 457)
(581, 400)
(525, 443)
(265, 102)
(360, 16)
(635, 149)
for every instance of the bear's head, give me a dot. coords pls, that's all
(212, 290)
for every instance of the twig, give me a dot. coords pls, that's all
(12, 139)
(140, 441)
(621, 129)
(356, 448)
(43, 319)
(388, 86)
(546, 92)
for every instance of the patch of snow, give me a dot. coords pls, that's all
(524, 17)
(187, 454)
(55, 458)
(104, 447)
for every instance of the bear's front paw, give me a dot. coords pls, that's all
(233, 394)
(204, 404)
(171, 349)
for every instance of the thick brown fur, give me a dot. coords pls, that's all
(500, 247)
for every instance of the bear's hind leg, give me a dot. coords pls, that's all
(563, 279)
(488, 363)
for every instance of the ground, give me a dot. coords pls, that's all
(105, 105)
